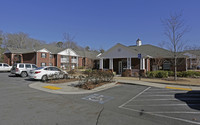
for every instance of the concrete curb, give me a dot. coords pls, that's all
(158, 85)
(67, 88)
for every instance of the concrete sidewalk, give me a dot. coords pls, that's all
(159, 85)
(67, 88)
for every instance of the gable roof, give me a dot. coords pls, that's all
(153, 51)
(127, 50)
(54, 50)
(146, 51)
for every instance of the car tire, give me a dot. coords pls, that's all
(44, 78)
(24, 74)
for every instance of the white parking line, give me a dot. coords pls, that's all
(175, 112)
(156, 95)
(185, 99)
(164, 116)
(168, 92)
(186, 95)
(166, 105)
(134, 97)
(159, 114)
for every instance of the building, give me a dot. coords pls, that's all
(193, 61)
(120, 58)
(49, 55)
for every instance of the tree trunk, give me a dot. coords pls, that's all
(175, 69)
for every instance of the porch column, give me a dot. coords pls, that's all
(142, 63)
(77, 62)
(111, 64)
(12, 59)
(147, 64)
(128, 63)
(22, 61)
(101, 64)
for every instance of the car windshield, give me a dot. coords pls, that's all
(15, 65)
(39, 68)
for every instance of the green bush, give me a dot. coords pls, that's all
(188, 74)
(157, 74)
(151, 74)
(170, 73)
(162, 74)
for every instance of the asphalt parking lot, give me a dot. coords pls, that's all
(171, 104)
(124, 104)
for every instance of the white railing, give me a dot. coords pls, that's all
(64, 60)
(73, 61)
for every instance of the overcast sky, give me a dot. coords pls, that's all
(98, 23)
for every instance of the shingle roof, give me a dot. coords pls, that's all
(194, 52)
(86, 53)
(18, 51)
(54, 50)
(154, 51)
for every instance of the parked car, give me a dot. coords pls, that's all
(5, 67)
(48, 72)
(22, 69)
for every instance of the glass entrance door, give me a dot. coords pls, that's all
(120, 67)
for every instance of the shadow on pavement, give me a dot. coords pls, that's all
(13, 75)
(191, 98)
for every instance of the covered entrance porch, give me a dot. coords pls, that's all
(119, 65)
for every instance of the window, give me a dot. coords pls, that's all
(50, 64)
(43, 64)
(28, 66)
(43, 55)
(21, 65)
(0, 64)
(5, 65)
(51, 56)
(54, 69)
(34, 66)
(47, 68)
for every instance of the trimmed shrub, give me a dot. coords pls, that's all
(151, 74)
(170, 73)
(162, 74)
(188, 74)
(127, 73)
(98, 76)
(136, 74)
(157, 74)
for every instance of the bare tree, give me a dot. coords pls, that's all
(158, 61)
(20, 40)
(69, 41)
(174, 30)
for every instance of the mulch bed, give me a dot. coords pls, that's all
(91, 85)
(57, 81)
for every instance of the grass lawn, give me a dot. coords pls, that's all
(181, 81)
